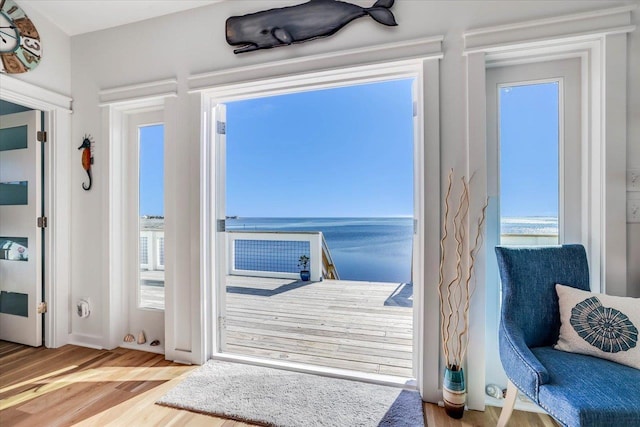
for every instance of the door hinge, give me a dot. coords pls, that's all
(42, 136)
(221, 128)
(221, 225)
(415, 226)
(42, 222)
(42, 308)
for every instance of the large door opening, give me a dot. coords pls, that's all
(320, 180)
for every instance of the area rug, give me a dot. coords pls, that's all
(273, 397)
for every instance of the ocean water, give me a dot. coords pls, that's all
(535, 225)
(375, 249)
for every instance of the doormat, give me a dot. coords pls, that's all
(274, 397)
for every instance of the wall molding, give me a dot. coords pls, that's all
(541, 32)
(86, 340)
(23, 93)
(424, 48)
(138, 93)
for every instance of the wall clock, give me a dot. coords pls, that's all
(20, 46)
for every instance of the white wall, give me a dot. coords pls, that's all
(633, 152)
(193, 42)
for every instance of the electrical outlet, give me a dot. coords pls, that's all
(633, 180)
(633, 210)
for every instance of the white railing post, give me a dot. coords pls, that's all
(315, 249)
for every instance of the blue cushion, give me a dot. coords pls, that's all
(587, 391)
(529, 276)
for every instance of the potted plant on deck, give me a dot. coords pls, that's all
(303, 263)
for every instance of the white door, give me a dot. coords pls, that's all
(534, 161)
(218, 184)
(20, 237)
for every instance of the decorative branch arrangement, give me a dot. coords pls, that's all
(455, 294)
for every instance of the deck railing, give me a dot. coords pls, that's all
(151, 250)
(276, 254)
(329, 270)
(528, 239)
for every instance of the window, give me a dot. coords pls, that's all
(534, 166)
(529, 159)
(151, 215)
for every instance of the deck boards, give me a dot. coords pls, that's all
(334, 323)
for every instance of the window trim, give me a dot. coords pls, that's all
(117, 105)
(131, 161)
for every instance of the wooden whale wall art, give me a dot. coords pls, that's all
(296, 24)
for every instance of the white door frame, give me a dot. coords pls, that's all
(118, 105)
(601, 45)
(426, 182)
(566, 73)
(149, 320)
(57, 191)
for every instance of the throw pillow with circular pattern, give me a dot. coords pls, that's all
(599, 325)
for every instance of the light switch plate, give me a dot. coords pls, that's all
(633, 179)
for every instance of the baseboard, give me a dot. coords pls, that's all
(143, 347)
(86, 340)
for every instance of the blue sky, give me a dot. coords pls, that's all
(152, 170)
(529, 150)
(348, 152)
(343, 152)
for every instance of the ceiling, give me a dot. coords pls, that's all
(78, 17)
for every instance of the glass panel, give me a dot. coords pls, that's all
(14, 193)
(14, 303)
(14, 248)
(529, 159)
(13, 138)
(151, 212)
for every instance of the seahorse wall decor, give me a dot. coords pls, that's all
(296, 24)
(87, 159)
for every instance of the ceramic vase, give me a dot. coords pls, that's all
(454, 391)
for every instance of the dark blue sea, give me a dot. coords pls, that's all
(368, 249)
(375, 249)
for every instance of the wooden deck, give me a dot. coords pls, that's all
(361, 326)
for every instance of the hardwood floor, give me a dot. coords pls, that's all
(80, 386)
